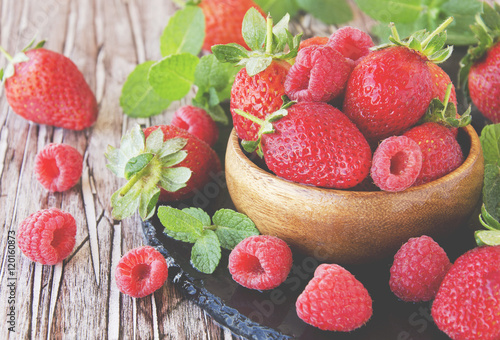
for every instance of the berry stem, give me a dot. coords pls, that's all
(250, 117)
(394, 32)
(438, 30)
(447, 96)
(133, 180)
(269, 35)
(6, 54)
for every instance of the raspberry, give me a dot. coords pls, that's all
(351, 42)
(47, 236)
(418, 269)
(334, 300)
(396, 163)
(260, 262)
(141, 271)
(467, 304)
(58, 167)
(313, 41)
(197, 122)
(319, 74)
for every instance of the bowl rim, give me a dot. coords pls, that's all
(475, 152)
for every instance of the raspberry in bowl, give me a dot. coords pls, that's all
(348, 226)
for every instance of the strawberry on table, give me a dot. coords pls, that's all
(479, 73)
(391, 88)
(47, 88)
(162, 163)
(258, 87)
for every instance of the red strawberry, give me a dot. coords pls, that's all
(441, 80)
(223, 19)
(258, 95)
(315, 143)
(390, 89)
(163, 163)
(480, 68)
(47, 88)
(258, 87)
(467, 304)
(441, 153)
(197, 122)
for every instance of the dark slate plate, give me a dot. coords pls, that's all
(271, 314)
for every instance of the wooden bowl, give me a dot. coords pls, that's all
(354, 227)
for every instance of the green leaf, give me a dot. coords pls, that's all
(132, 144)
(250, 145)
(206, 253)
(173, 179)
(258, 64)
(199, 214)
(211, 73)
(491, 189)
(232, 227)
(136, 164)
(184, 32)
(280, 34)
(138, 99)
(490, 142)
(126, 205)
(230, 53)
(329, 11)
(147, 203)
(218, 114)
(487, 220)
(173, 76)
(179, 221)
(171, 146)
(278, 8)
(254, 29)
(154, 142)
(397, 11)
(487, 237)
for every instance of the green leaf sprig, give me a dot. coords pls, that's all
(148, 165)
(490, 210)
(226, 229)
(414, 15)
(153, 85)
(445, 112)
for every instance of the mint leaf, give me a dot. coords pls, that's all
(206, 253)
(232, 227)
(490, 142)
(184, 32)
(254, 29)
(138, 99)
(328, 11)
(199, 214)
(491, 189)
(173, 76)
(278, 8)
(398, 11)
(183, 225)
(210, 72)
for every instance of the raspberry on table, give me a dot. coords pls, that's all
(319, 74)
(351, 42)
(197, 122)
(47, 236)
(418, 269)
(334, 300)
(396, 163)
(141, 271)
(313, 41)
(58, 167)
(260, 262)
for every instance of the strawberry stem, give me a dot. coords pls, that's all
(134, 179)
(438, 30)
(447, 96)
(394, 32)
(6, 54)
(269, 35)
(250, 117)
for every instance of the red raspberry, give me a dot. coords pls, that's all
(334, 300)
(260, 262)
(141, 271)
(319, 74)
(47, 236)
(418, 269)
(396, 163)
(313, 41)
(467, 304)
(351, 42)
(58, 167)
(197, 122)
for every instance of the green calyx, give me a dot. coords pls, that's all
(266, 126)
(430, 44)
(148, 165)
(267, 43)
(487, 33)
(445, 112)
(17, 58)
(491, 236)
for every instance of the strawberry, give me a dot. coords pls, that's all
(441, 80)
(223, 19)
(47, 88)
(467, 304)
(391, 88)
(162, 163)
(479, 73)
(258, 87)
(313, 143)
(441, 153)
